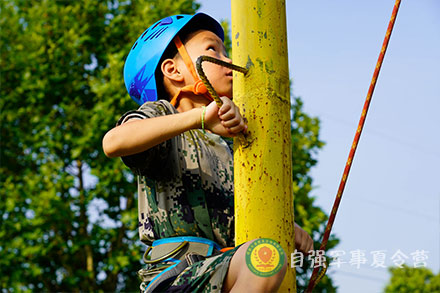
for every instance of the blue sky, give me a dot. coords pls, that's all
(392, 199)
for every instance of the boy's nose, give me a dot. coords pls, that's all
(227, 59)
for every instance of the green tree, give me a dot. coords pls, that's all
(68, 217)
(414, 280)
(305, 146)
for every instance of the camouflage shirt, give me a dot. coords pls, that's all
(185, 184)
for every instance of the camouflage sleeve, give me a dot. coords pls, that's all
(145, 163)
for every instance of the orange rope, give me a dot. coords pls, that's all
(314, 279)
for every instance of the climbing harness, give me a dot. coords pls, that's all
(166, 258)
(315, 276)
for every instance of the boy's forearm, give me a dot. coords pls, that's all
(140, 135)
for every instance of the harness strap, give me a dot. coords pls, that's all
(164, 256)
(185, 56)
(168, 257)
(168, 275)
(224, 249)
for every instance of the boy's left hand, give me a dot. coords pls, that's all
(303, 241)
(226, 121)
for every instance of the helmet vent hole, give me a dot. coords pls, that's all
(160, 32)
(156, 25)
(179, 17)
(155, 34)
(135, 44)
(144, 33)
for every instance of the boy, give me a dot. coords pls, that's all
(184, 167)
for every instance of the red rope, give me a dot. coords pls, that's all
(314, 280)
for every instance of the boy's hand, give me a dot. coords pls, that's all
(226, 121)
(303, 241)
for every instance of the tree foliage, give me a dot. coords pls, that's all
(305, 145)
(68, 215)
(417, 280)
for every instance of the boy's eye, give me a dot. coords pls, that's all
(212, 48)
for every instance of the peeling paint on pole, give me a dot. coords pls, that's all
(263, 170)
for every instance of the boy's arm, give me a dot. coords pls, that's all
(138, 135)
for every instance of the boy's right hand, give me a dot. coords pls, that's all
(226, 121)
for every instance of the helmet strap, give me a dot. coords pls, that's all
(198, 88)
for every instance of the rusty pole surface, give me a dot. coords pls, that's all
(263, 169)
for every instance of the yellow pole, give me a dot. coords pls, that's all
(263, 170)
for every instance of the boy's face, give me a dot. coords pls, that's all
(205, 42)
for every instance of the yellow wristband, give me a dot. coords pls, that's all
(203, 118)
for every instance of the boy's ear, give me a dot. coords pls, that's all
(170, 69)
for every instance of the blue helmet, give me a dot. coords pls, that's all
(143, 59)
